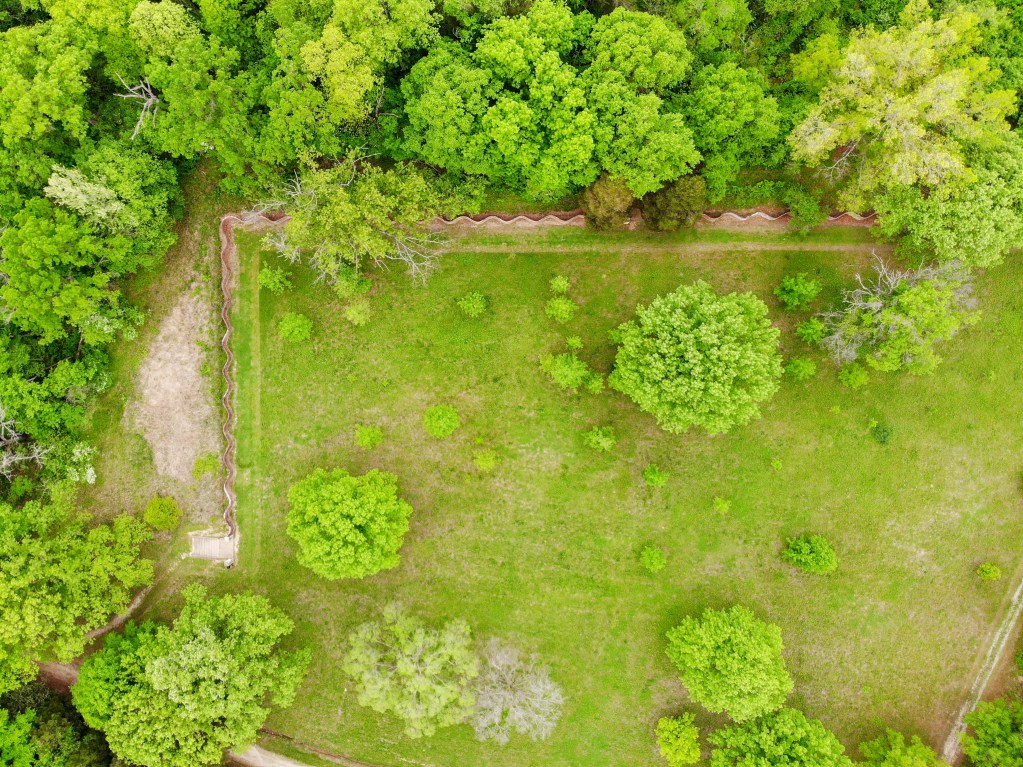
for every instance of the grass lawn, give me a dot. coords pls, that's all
(544, 550)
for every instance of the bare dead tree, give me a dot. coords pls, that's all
(146, 96)
(514, 694)
(14, 451)
(420, 253)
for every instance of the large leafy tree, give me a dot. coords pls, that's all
(695, 358)
(421, 674)
(731, 662)
(995, 737)
(60, 579)
(346, 526)
(785, 738)
(178, 696)
(902, 106)
(893, 750)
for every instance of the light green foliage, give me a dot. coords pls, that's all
(785, 738)
(652, 558)
(731, 662)
(559, 284)
(694, 358)
(347, 526)
(359, 312)
(853, 375)
(162, 513)
(988, 571)
(994, 736)
(570, 372)
(715, 28)
(646, 50)
(606, 203)
(678, 204)
(722, 506)
(734, 123)
(797, 291)
(179, 696)
(295, 327)
(368, 437)
(678, 740)
(654, 476)
(159, 28)
(274, 279)
(892, 750)
(894, 321)
(800, 369)
(440, 421)
(472, 304)
(601, 438)
(575, 343)
(812, 331)
(61, 579)
(942, 89)
(208, 463)
(561, 309)
(420, 674)
(812, 553)
(485, 460)
(16, 747)
(353, 213)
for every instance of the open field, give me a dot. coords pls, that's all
(543, 550)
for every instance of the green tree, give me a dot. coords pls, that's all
(159, 28)
(60, 579)
(678, 740)
(162, 513)
(607, 202)
(784, 738)
(16, 747)
(694, 358)
(420, 674)
(678, 204)
(648, 51)
(812, 553)
(995, 735)
(347, 526)
(892, 750)
(731, 662)
(715, 28)
(179, 696)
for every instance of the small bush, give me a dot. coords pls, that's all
(472, 304)
(208, 463)
(880, 432)
(350, 283)
(812, 331)
(561, 309)
(722, 506)
(800, 369)
(679, 740)
(805, 210)
(654, 476)
(594, 384)
(559, 284)
(575, 343)
(274, 279)
(295, 327)
(811, 553)
(368, 437)
(566, 370)
(358, 312)
(607, 202)
(485, 460)
(652, 558)
(854, 376)
(797, 291)
(601, 438)
(988, 571)
(162, 513)
(441, 421)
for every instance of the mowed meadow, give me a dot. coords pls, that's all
(543, 549)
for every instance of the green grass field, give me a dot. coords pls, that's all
(544, 550)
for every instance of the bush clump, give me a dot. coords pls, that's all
(485, 460)
(797, 291)
(368, 437)
(812, 331)
(988, 571)
(679, 740)
(274, 279)
(654, 475)
(652, 558)
(800, 369)
(440, 421)
(811, 553)
(575, 343)
(561, 309)
(570, 372)
(295, 327)
(854, 376)
(601, 438)
(472, 304)
(162, 513)
(559, 284)
(607, 202)
(678, 204)
(358, 312)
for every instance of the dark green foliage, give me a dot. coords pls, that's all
(811, 553)
(800, 369)
(607, 202)
(785, 738)
(39, 728)
(881, 432)
(995, 735)
(677, 205)
(805, 210)
(797, 291)
(162, 513)
(440, 421)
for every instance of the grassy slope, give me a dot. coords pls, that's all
(544, 550)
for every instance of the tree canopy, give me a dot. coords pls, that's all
(784, 738)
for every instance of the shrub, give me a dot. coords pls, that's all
(805, 210)
(207, 463)
(472, 304)
(797, 291)
(994, 735)
(694, 358)
(601, 438)
(652, 558)
(892, 750)
(654, 476)
(607, 202)
(568, 371)
(811, 553)
(561, 309)
(880, 432)
(988, 571)
(559, 284)
(162, 513)
(731, 662)
(800, 369)
(854, 376)
(440, 421)
(274, 279)
(575, 343)
(485, 460)
(368, 437)
(358, 312)
(347, 526)
(295, 327)
(812, 331)
(678, 204)
(722, 506)
(679, 740)
(783, 737)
